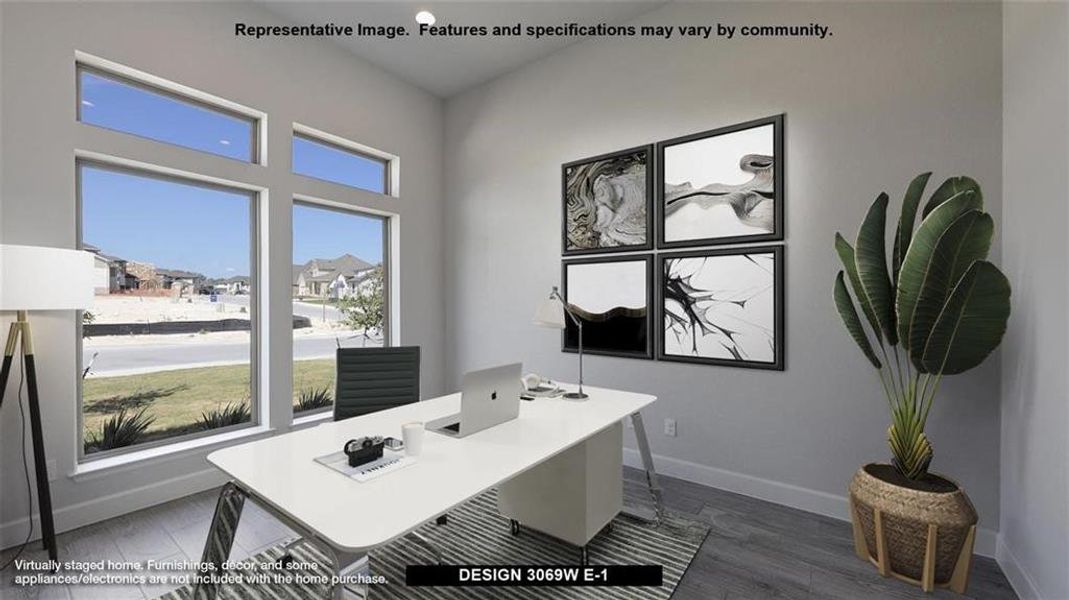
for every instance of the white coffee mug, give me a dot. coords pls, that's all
(412, 434)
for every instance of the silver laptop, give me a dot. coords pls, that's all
(489, 397)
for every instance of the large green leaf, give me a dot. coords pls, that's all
(972, 322)
(917, 263)
(966, 241)
(846, 256)
(849, 316)
(950, 188)
(870, 255)
(904, 232)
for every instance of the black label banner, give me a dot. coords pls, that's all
(533, 575)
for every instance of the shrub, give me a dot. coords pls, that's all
(311, 399)
(231, 414)
(120, 430)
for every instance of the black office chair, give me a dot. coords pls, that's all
(373, 379)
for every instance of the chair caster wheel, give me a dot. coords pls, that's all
(514, 527)
(286, 561)
(442, 520)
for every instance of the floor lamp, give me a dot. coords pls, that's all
(551, 314)
(36, 278)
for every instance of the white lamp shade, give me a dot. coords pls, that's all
(39, 278)
(550, 314)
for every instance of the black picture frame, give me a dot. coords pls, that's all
(648, 150)
(779, 307)
(779, 184)
(647, 353)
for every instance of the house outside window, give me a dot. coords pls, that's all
(168, 348)
(339, 295)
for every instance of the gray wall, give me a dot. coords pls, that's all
(898, 89)
(1034, 534)
(317, 84)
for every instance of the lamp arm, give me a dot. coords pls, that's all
(567, 309)
(579, 326)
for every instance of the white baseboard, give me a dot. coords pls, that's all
(78, 515)
(814, 501)
(1019, 578)
(99, 509)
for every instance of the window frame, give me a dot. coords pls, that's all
(384, 219)
(389, 162)
(86, 63)
(256, 198)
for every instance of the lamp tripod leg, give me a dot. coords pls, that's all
(21, 328)
(44, 493)
(9, 354)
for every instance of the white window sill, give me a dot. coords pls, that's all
(138, 459)
(324, 416)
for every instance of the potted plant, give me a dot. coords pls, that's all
(940, 308)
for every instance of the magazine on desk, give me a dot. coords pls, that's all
(391, 461)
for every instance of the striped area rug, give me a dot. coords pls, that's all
(477, 534)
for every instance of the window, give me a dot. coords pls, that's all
(122, 104)
(167, 349)
(339, 297)
(333, 162)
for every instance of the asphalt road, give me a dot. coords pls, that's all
(302, 309)
(130, 359)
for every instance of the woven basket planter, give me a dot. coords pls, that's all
(919, 536)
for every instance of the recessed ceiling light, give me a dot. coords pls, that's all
(425, 17)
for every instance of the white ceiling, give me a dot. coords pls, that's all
(447, 66)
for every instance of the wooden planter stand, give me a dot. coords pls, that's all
(959, 581)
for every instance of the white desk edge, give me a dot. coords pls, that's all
(280, 471)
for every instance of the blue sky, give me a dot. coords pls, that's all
(115, 105)
(326, 162)
(324, 233)
(183, 226)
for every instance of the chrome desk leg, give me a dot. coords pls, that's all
(651, 472)
(225, 524)
(220, 536)
(427, 545)
(345, 565)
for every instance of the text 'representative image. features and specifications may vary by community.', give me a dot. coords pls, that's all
(539, 31)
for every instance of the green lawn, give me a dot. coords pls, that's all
(178, 398)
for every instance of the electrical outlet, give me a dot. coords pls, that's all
(51, 466)
(670, 427)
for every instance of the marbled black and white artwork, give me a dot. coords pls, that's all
(723, 307)
(607, 202)
(612, 297)
(721, 187)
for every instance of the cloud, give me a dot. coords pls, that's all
(88, 103)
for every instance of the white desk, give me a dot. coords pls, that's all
(347, 518)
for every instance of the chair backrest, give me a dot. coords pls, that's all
(374, 379)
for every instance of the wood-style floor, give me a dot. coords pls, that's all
(759, 550)
(756, 550)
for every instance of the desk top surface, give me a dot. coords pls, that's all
(357, 516)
